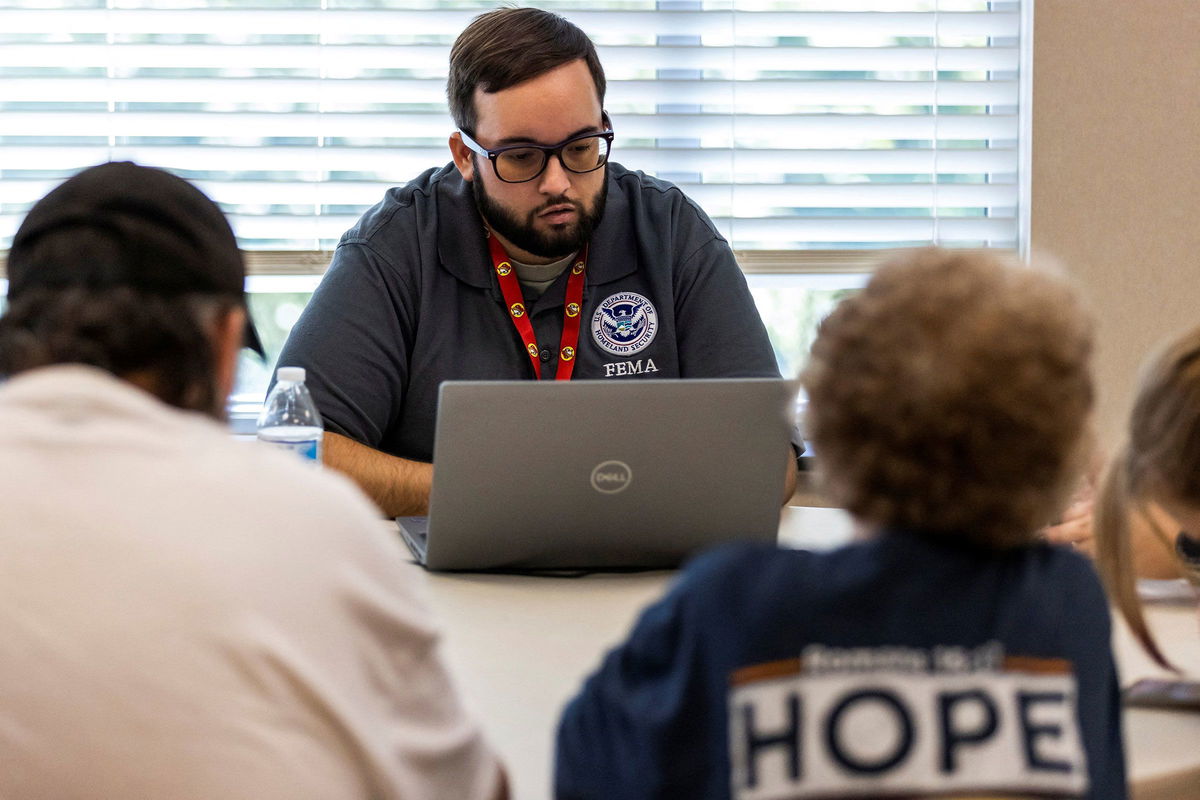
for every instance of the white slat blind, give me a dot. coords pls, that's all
(797, 124)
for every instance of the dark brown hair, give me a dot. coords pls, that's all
(951, 397)
(508, 46)
(122, 331)
(1159, 461)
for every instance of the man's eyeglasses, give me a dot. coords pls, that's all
(519, 163)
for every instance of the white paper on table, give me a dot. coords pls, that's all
(1175, 591)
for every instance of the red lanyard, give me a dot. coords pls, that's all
(514, 299)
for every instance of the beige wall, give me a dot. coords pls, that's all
(1116, 171)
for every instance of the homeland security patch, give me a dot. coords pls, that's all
(625, 324)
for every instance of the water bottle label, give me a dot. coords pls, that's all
(307, 450)
(303, 442)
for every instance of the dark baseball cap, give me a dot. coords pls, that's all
(121, 224)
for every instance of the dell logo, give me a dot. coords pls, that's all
(610, 477)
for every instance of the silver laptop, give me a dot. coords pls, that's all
(601, 474)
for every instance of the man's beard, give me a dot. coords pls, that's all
(522, 233)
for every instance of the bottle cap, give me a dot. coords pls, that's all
(290, 374)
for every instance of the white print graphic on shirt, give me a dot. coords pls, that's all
(638, 367)
(905, 721)
(624, 324)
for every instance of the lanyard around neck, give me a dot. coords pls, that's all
(514, 300)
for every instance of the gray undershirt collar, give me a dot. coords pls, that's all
(538, 277)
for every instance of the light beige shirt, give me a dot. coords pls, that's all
(183, 616)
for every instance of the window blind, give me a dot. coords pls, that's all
(797, 124)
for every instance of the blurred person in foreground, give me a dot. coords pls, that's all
(181, 615)
(1158, 465)
(947, 650)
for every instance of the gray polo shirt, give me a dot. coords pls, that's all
(411, 300)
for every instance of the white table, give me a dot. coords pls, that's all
(1162, 747)
(521, 646)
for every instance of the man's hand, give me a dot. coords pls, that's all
(399, 487)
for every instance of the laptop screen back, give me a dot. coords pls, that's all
(595, 474)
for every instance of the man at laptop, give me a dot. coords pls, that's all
(532, 256)
(184, 616)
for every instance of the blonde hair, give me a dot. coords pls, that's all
(952, 396)
(1159, 460)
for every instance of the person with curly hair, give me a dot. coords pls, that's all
(949, 649)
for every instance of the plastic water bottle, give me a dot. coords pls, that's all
(289, 419)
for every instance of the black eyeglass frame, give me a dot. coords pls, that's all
(550, 150)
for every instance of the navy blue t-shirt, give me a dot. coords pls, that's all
(902, 665)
